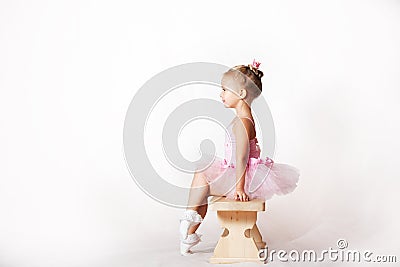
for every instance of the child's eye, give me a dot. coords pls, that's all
(223, 89)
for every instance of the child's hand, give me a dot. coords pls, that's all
(241, 195)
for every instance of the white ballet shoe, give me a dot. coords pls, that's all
(190, 241)
(187, 220)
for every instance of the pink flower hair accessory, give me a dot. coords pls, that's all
(255, 64)
(254, 68)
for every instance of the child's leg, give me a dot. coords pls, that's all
(202, 211)
(198, 197)
(199, 192)
(220, 187)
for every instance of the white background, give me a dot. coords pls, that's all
(69, 69)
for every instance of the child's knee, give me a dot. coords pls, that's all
(200, 175)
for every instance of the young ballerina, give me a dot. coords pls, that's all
(242, 175)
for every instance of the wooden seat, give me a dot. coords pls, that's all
(241, 239)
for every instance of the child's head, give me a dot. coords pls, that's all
(241, 83)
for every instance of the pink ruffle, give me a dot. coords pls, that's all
(264, 177)
(251, 162)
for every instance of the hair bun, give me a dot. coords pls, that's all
(254, 68)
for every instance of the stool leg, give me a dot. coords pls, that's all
(234, 245)
(255, 233)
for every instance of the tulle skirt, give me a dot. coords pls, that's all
(263, 178)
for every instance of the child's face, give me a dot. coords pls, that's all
(230, 92)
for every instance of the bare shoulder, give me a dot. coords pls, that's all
(243, 129)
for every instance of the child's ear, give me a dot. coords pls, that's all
(243, 93)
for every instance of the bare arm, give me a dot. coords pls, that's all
(242, 151)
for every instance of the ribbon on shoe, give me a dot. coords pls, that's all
(192, 239)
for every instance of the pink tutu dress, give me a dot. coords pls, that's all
(263, 178)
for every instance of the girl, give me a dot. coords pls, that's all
(255, 177)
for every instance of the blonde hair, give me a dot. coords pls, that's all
(249, 78)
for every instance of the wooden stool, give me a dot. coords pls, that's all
(241, 239)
